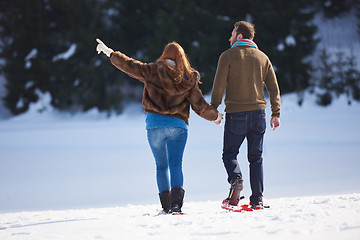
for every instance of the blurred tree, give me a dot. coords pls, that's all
(127, 30)
(17, 41)
(334, 8)
(285, 33)
(210, 36)
(338, 75)
(204, 27)
(198, 26)
(338, 71)
(326, 81)
(358, 17)
(352, 79)
(49, 46)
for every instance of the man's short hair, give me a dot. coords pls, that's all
(246, 29)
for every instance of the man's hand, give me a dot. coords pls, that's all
(275, 123)
(219, 118)
(101, 47)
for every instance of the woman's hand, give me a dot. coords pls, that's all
(219, 118)
(101, 47)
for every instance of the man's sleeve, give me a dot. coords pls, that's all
(272, 87)
(220, 81)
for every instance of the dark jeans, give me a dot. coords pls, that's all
(167, 145)
(238, 126)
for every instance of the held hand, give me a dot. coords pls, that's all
(101, 47)
(275, 123)
(219, 118)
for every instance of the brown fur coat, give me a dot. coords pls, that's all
(161, 93)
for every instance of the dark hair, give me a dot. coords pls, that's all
(246, 29)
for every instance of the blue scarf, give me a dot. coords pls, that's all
(245, 42)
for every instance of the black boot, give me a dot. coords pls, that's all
(235, 189)
(257, 206)
(165, 200)
(256, 202)
(177, 197)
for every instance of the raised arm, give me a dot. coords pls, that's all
(128, 65)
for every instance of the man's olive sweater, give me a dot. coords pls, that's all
(241, 73)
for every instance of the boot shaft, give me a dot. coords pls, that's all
(235, 189)
(165, 200)
(177, 198)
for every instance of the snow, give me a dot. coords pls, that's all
(248, 18)
(326, 217)
(196, 44)
(33, 54)
(280, 47)
(327, 3)
(290, 40)
(66, 55)
(29, 84)
(223, 18)
(87, 176)
(20, 103)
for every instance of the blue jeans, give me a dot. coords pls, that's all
(238, 126)
(167, 145)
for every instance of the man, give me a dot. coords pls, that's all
(241, 73)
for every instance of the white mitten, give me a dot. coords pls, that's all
(101, 47)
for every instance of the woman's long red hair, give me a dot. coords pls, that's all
(175, 52)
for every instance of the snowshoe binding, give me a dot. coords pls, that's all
(235, 188)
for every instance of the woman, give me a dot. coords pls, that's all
(170, 87)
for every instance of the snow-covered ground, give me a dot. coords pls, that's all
(90, 177)
(326, 217)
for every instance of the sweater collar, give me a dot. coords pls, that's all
(245, 42)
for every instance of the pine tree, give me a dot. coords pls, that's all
(352, 79)
(358, 17)
(334, 8)
(286, 35)
(202, 28)
(35, 36)
(337, 77)
(15, 47)
(36, 32)
(339, 82)
(325, 83)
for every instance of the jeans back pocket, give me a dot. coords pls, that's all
(261, 127)
(176, 131)
(238, 124)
